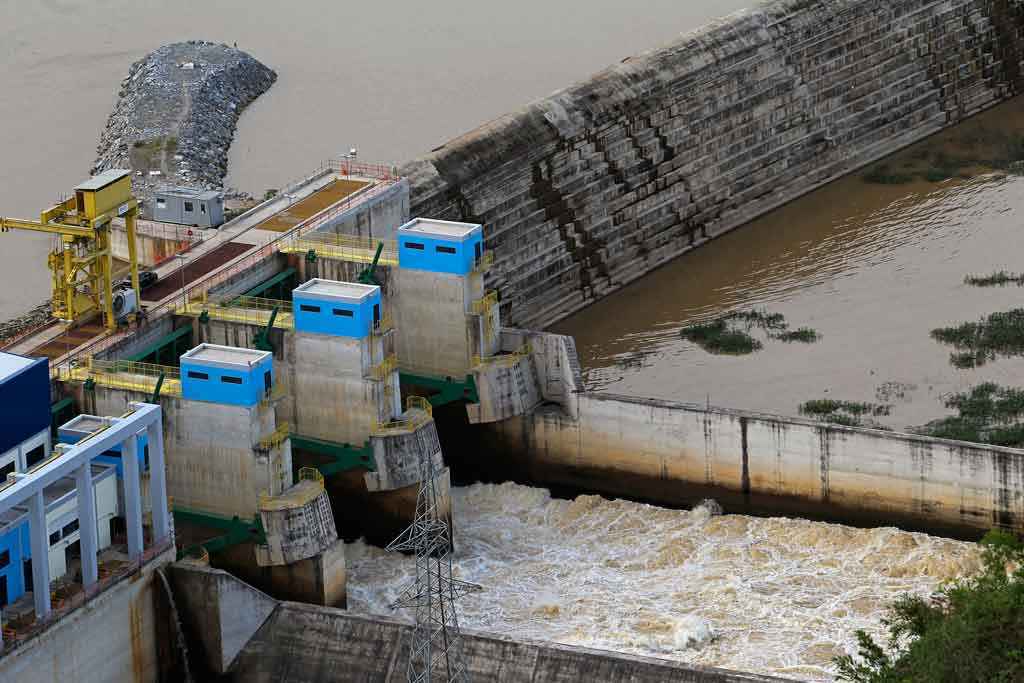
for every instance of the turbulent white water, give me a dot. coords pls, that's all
(776, 596)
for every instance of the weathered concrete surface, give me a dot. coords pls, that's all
(678, 453)
(306, 643)
(214, 463)
(218, 610)
(298, 642)
(113, 637)
(437, 333)
(592, 187)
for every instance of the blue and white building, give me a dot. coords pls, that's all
(226, 375)
(341, 309)
(25, 417)
(440, 246)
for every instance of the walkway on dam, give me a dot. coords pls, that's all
(233, 247)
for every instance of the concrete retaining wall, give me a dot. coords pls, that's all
(304, 643)
(678, 453)
(113, 637)
(600, 183)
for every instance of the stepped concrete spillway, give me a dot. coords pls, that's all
(590, 188)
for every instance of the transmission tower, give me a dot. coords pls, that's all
(435, 653)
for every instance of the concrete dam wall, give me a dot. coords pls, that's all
(597, 184)
(679, 453)
(243, 635)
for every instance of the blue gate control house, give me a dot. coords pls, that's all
(225, 374)
(340, 309)
(440, 246)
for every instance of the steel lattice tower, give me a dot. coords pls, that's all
(435, 653)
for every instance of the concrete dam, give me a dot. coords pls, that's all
(590, 188)
(358, 355)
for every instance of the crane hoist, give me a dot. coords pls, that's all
(80, 264)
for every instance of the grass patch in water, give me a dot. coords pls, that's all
(988, 413)
(717, 337)
(730, 334)
(1000, 278)
(801, 334)
(846, 413)
(999, 334)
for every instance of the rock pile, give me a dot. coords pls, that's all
(176, 114)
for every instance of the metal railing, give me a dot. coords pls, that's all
(110, 573)
(421, 414)
(504, 360)
(276, 438)
(124, 374)
(484, 304)
(311, 474)
(419, 403)
(484, 263)
(383, 326)
(382, 370)
(250, 310)
(277, 393)
(223, 273)
(353, 248)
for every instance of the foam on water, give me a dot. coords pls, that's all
(770, 595)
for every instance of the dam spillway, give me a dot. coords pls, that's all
(601, 182)
(793, 95)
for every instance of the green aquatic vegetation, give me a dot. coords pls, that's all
(717, 337)
(999, 278)
(999, 334)
(730, 334)
(988, 413)
(802, 334)
(848, 413)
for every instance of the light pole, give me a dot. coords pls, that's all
(183, 258)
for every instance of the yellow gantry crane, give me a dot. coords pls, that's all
(81, 263)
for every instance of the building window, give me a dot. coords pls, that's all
(445, 250)
(161, 203)
(228, 379)
(309, 309)
(192, 374)
(5, 470)
(54, 537)
(343, 312)
(35, 455)
(414, 245)
(5, 558)
(69, 528)
(189, 208)
(202, 208)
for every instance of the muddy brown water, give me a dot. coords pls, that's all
(392, 79)
(873, 268)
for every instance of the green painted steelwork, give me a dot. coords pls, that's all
(262, 341)
(277, 286)
(367, 276)
(60, 412)
(175, 340)
(345, 456)
(445, 390)
(156, 390)
(237, 530)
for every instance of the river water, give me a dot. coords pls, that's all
(393, 79)
(872, 268)
(768, 595)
